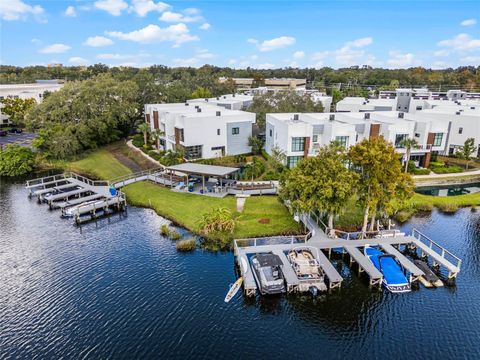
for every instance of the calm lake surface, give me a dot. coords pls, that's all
(119, 290)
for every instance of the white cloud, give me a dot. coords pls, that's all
(439, 65)
(172, 17)
(265, 66)
(113, 7)
(358, 43)
(205, 26)
(298, 55)
(273, 44)
(17, 9)
(177, 34)
(204, 54)
(399, 60)
(320, 56)
(70, 11)
(77, 60)
(232, 61)
(351, 53)
(122, 56)
(191, 11)
(98, 41)
(55, 49)
(461, 42)
(470, 60)
(143, 7)
(186, 62)
(468, 22)
(441, 53)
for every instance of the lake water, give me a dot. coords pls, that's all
(117, 289)
(449, 190)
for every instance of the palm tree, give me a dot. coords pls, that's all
(254, 169)
(408, 144)
(145, 129)
(156, 135)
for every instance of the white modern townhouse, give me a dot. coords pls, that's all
(301, 135)
(201, 130)
(230, 101)
(408, 100)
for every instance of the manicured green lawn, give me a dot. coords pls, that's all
(186, 210)
(100, 164)
(459, 200)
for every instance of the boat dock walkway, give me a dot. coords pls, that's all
(317, 237)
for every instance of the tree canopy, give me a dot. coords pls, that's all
(321, 183)
(280, 102)
(84, 115)
(17, 108)
(16, 160)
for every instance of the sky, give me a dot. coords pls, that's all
(259, 34)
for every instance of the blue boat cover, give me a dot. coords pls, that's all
(387, 265)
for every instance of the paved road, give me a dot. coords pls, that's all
(23, 139)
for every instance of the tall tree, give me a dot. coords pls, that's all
(145, 129)
(381, 177)
(156, 135)
(408, 144)
(320, 183)
(282, 102)
(17, 108)
(467, 150)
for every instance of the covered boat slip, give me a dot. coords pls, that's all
(318, 239)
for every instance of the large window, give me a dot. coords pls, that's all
(292, 161)
(235, 131)
(437, 140)
(298, 143)
(342, 140)
(398, 140)
(193, 152)
(315, 138)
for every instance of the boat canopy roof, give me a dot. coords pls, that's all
(268, 260)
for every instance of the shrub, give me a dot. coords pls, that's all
(217, 220)
(16, 160)
(421, 172)
(186, 245)
(447, 169)
(424, 207)
(137, 140)
(174, 235)
(436, 164)
(403, 216)
(164, 230)
(448, 208)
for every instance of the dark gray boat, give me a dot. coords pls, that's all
(267, 270)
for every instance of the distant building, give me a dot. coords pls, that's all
(201, 130)
(230, 101)
(272, 84)
(34, 91)
(408, 100)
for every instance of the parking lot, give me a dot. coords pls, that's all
(23, 139)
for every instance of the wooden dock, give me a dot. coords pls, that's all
(70, 189)
(317, 238)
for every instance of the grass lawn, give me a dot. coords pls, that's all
(100, 164)
(186, 210)
(438, 201)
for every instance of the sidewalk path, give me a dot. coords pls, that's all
(434, 176)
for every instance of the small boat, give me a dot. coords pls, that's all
(70, 212)
(430, 278)
(267, 271)
(233, 289)
(308, 269)
(394, 279)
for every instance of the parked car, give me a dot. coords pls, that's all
(3, 133)
(16, 131)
